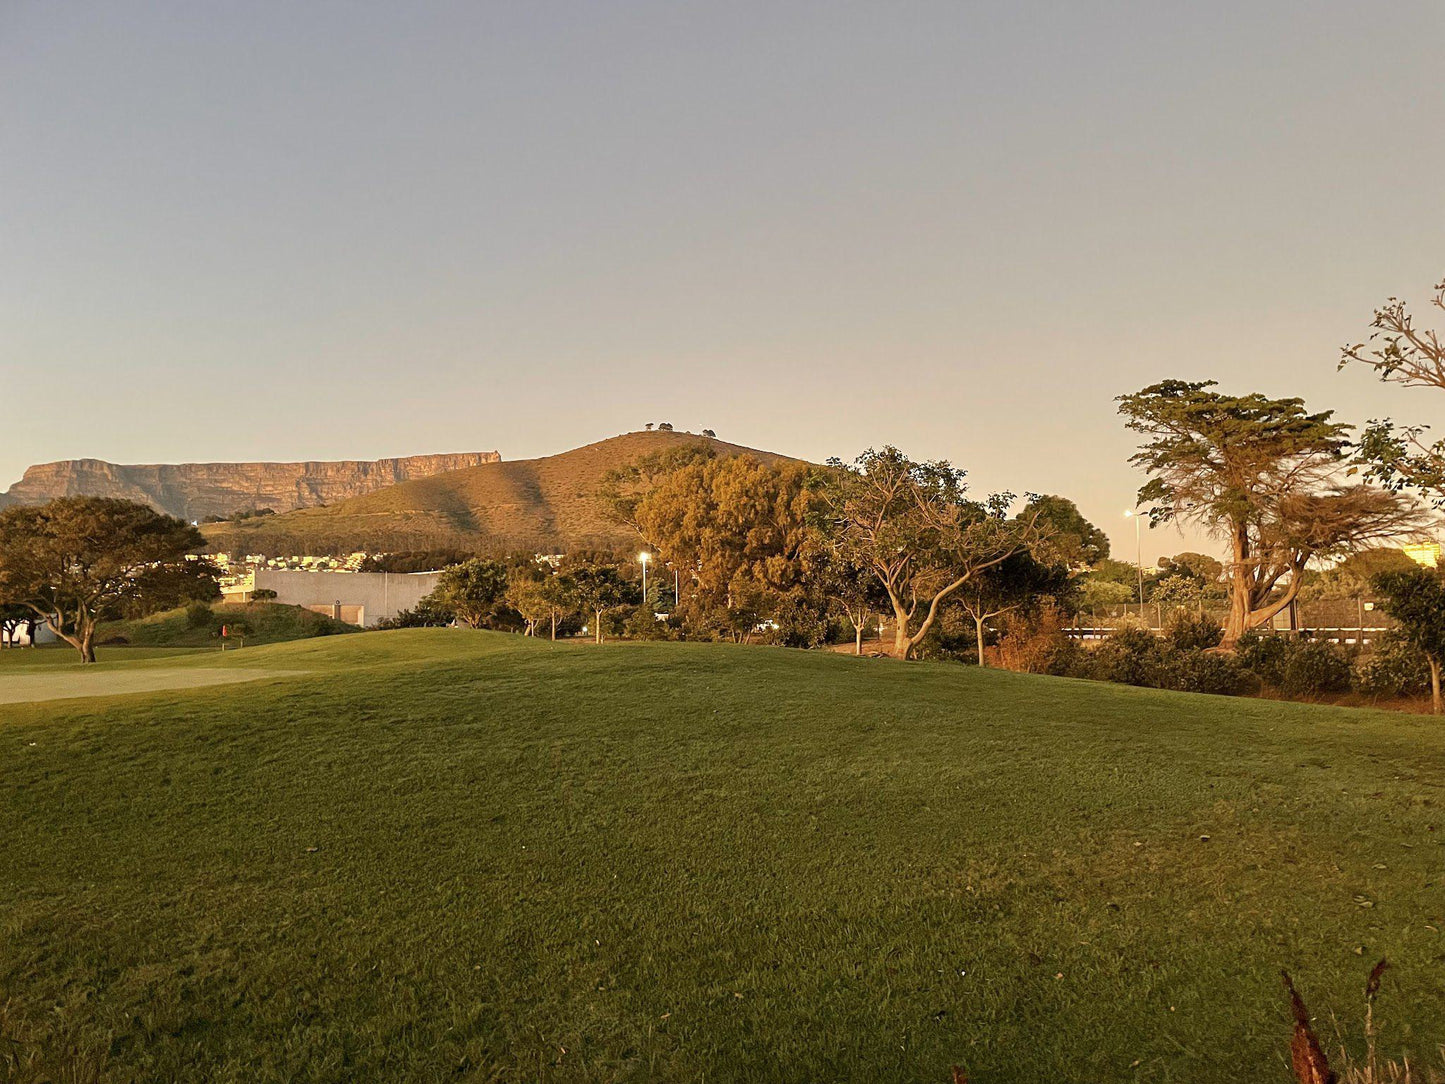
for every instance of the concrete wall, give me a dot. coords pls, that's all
(363, 598)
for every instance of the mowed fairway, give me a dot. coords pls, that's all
(467, 856)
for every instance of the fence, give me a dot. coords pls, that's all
(1343, 621)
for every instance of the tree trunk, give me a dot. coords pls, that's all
(858, 637)
(554, 626)
(978, 628)
(1239, 596)
(902, 646)
(1435, 687)
(87, 643)
(597, 631)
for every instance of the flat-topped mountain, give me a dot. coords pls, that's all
(546, 505)
(197, 490)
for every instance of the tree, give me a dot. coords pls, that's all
(547, 597)
(913, 525)
(559, 592)
(1400, 458)
(1354, 576)
(1096, 592)
(76, 560)
(853, 588)
(1199, 567)
(738, 528)
(1018, 583)
(1190, 579)
(1416, 599)
(471, 591)
(172, 585)
(12, 616)
(599, 589)
(709, 433)
(1263, 473)
(1076, 541)
(623, 488)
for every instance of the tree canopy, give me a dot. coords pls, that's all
(914, 526)
(1075, 540)
(1264, 474)
(471, 591)
(78, 560)
(1416, 600)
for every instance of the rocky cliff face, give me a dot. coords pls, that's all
(196, 490)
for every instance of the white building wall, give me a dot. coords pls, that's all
(363, 598)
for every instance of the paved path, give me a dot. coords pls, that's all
(23, 688)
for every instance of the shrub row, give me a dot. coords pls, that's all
(1180, 659)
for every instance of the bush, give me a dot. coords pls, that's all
(1315, 667)
(1266, 656)
(1070, 659)
(1189, 630)
(1132, 655)
(199, 615)
(1029, 643)
(1394, 667)
(263, 594)
(1202, 671)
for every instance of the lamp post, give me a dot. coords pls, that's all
(1138, 557)
(644, 557)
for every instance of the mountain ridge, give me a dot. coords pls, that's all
(197, 490)
(547, 504)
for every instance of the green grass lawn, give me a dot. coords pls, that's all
(468, 856)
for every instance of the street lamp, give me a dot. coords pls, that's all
(644, 557)
(1138, 555)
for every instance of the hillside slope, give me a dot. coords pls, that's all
(197, 490)
(682, 862)
(547, 504)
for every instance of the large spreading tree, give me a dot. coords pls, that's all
(473, 591)
(1263, 473)
(77, 560)
(738, 529)
(914, 527)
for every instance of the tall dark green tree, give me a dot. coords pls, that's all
(1075, 540)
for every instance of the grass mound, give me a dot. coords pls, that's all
(251, 623)
(459, 855)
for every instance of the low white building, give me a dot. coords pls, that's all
(358, 598)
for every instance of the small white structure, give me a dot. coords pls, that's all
(20, 637)
(358, 598)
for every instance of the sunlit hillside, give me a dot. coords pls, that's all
(546, 505)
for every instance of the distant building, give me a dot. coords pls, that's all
(358, 598)
(1425, 554)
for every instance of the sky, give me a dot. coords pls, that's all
(349, 230)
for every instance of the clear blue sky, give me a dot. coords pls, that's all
(314, 230)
